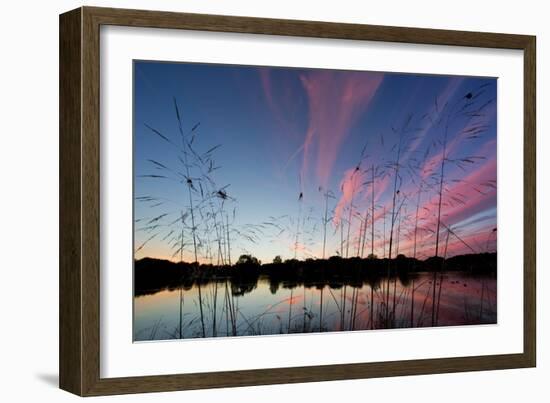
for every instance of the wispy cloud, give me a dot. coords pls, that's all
(336, 101)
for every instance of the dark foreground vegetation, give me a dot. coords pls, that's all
(152, 275)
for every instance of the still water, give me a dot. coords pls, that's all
(220, 309)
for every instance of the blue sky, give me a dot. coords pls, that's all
(283, 132)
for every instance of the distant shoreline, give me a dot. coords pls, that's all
(152, 275)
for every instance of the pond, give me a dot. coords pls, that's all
(221, 309)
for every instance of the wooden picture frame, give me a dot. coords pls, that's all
(79, 346)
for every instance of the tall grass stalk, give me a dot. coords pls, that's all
(440, 192)
(351, 210)
(441, 277)
(300, 198)
(372, 213)
(321, 309)
(328, 194)
(419, 195)
(290, 311)
(392, 221)
(189, 182)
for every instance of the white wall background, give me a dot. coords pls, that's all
(29, 198)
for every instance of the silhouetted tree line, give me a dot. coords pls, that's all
(152, 275)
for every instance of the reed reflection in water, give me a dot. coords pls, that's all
(267, 308)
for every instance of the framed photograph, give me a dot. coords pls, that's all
(250, 201)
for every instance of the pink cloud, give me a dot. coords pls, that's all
(477, 198)
(434, 162)
(336, 100)
(273, 102)
(432, 115)
(350, 186)
(361, 196)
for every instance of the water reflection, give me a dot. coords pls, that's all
(229, 307)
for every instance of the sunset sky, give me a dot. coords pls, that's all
(286, 132)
